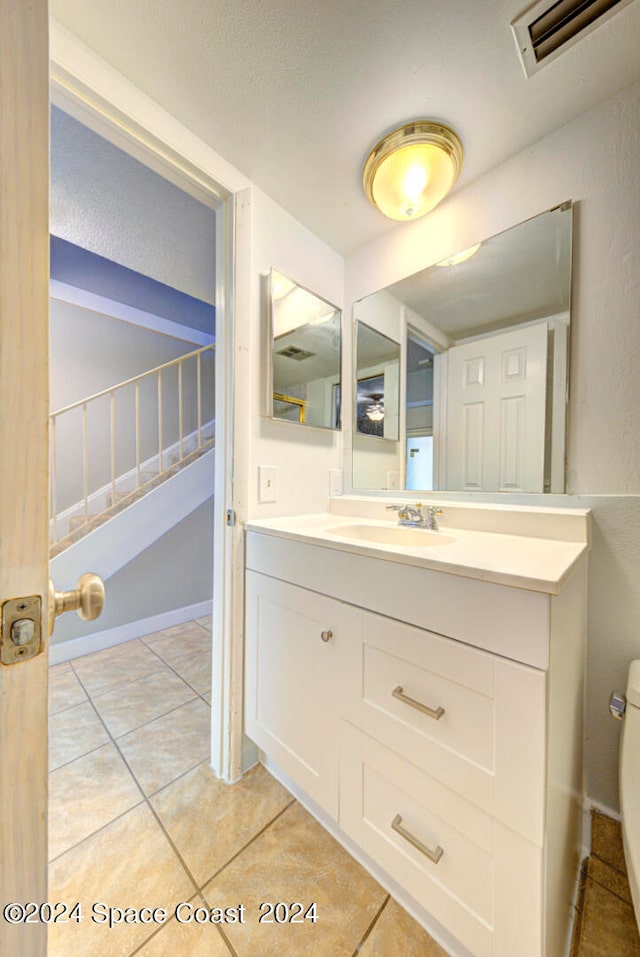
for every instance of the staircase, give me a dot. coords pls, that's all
(134, 441)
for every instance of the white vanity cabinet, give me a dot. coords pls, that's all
(440, 726)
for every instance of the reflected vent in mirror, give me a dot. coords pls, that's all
(547, 29)
(292, 352)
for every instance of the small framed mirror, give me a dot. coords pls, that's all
(306, 349)
(377, 385)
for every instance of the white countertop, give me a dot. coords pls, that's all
(521, 561)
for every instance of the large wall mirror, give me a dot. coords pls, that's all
(304, 371)
(484, 348)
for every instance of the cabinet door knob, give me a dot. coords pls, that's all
(326, 635)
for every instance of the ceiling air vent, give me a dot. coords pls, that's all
(292, 352)
(545, 30)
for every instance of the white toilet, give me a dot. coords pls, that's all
(630, 783)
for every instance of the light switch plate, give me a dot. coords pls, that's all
(267, 483)
(393, 479)
(335, 482)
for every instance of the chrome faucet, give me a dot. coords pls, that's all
(417, 516)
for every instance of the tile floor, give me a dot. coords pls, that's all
(137, 820)
(605, 923)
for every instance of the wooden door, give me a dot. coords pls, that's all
(496, 412)
(24, 280)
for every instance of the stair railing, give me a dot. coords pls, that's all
(161, 375)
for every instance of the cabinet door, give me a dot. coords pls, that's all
(299, 649)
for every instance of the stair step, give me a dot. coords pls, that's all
(114, 497)
(77, 521)
(73, 529)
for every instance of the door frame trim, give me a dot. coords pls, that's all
(88, 89)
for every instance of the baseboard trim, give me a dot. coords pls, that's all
(98, 641)
(587, 807)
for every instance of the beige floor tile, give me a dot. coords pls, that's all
(397, 934)
(87, 794)
(111, 669)
(130, 863)
(296, 860)
(74, 732)
(143, 701)
(182, 641)
(192, 939)
(608, 925)
(611, 878)
(228, 815)
(606, 840)
(206, 622)
(196, 671)
(65, 691)
(63, 668)
(161, 751)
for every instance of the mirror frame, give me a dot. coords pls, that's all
(270, 395)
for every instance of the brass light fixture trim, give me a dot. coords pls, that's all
(412, 169)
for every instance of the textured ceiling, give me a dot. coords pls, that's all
(294, 93)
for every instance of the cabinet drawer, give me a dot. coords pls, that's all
(486, 885)
(376, 788)
(463, 716)
(457, 717)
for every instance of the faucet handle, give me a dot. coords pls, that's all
(428, 514)
(394, 508)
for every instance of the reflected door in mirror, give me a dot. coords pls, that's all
(495, 416)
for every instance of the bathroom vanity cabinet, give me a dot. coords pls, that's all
(437, 720)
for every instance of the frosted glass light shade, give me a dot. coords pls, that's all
(412, 168)
(460, 257)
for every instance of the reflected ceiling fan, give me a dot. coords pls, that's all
(375, 411)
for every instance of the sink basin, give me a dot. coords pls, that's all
(392, 535)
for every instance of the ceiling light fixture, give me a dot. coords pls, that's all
(460, 257)
(412, 168)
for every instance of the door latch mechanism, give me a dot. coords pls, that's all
(21, 629)
(21, 621)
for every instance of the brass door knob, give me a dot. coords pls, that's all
(87, 599)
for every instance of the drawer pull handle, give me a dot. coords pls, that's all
(433, 855)
(326, 635)
(435, 713)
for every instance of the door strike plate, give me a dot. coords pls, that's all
(21, 629)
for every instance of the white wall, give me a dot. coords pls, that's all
(105, 201)
(175, 572)
(302, 455)
(90, 352)
(593, 161)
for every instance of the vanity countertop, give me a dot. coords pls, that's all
(540, 564)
